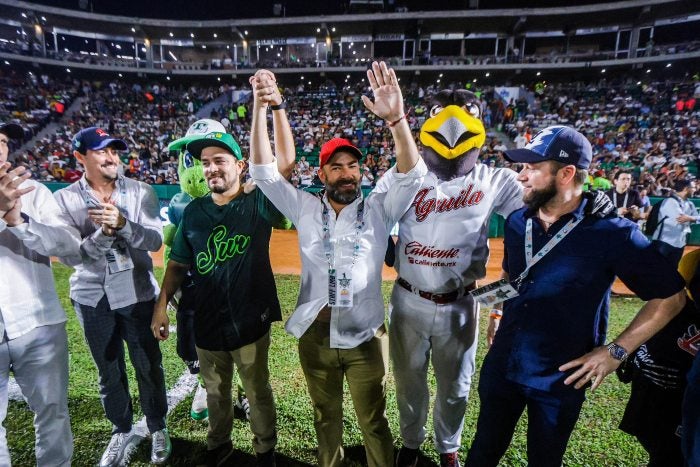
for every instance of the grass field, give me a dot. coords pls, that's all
(595, 442)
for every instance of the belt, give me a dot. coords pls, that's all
(439, 298)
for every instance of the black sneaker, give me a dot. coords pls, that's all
(266, 459)
(241, 409)
(407, 457)
(218, 456)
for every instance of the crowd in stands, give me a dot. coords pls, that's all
(33, 101)
(148, 118)
(650, 129)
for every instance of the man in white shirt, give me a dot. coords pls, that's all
(676, 214)
(33, 339)
(339, 319)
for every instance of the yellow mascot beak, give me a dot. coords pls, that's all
(452, 132)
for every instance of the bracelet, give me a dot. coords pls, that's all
(393, 124)
(281, 106)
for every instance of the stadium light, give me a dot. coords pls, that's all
(440, 75)
(43, 18)
(218, 78)
(192, 35)
(438, 80)
(539, 73)
(648, 70)
(120, 75)
(333, 29)
(68, 70)
(488, 74)
(171, 34)
(245, 32)
(639, 83)
(318, 29)
(6, 62)
(474, 80)
(668, 65)
(168, 78)
(133, 29)
(215, 35)
(24, 15)
(603, 70)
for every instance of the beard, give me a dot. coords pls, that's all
(538, 198)
(222, 187)
(343, 196)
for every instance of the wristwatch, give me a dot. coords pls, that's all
(617, 352)
(282, 105)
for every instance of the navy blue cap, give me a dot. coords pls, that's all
(555, 143)
(95, 138)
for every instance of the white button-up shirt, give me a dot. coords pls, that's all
(142, 233)
(349, 326)
(671, 231)
(27, 293)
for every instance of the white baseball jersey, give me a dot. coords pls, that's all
(443, 237)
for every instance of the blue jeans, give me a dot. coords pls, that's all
(691, 416)
(105, 330)
(550, 417)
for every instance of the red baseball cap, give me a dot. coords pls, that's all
(334, 145)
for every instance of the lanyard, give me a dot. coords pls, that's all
(327, 247)
(624, 201)
(529, 259)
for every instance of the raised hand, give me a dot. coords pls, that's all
(265, 90)
(388, 100)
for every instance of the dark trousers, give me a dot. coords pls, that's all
(691, 416)
(186, 348)
(550, 417)
(673, 253)
(105, 330)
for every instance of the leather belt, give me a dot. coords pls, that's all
(439, 298)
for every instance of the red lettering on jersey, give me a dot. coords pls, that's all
(424, 207)
(418, 249)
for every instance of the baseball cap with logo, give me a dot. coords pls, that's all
(555, 143)
(94, 138)
(12, 130)
(334, 145)
(217, 138)
(197, 130)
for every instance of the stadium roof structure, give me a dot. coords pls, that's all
(508, 29)
(566, 19)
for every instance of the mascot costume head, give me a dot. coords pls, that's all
(453, 134)
(192, 181)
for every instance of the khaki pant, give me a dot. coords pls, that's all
(365, 368)
(216, 368)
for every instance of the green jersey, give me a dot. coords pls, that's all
(228, 247)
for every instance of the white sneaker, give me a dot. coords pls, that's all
(161, 448)
(114, 453)
(199, 410)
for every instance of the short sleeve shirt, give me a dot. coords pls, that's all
(562, 310)
(234, 295)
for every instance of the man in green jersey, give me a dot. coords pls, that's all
(224, 237)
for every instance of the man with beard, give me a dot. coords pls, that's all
(562, 253)
(339, 318)
(224, 239)
(113, 287)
